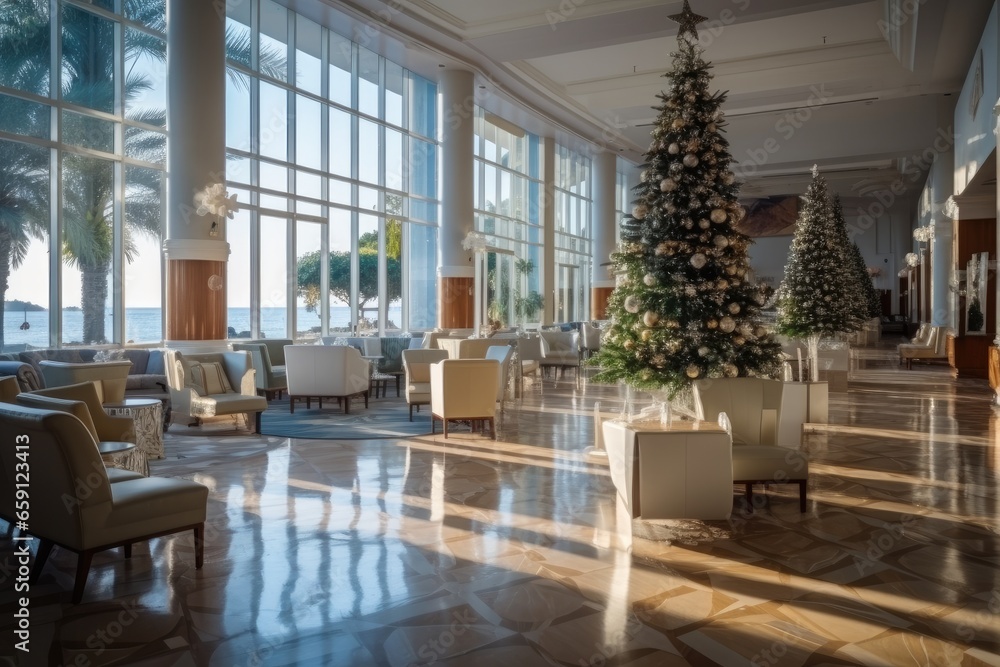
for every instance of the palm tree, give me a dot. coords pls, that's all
(24, 65)
(88, 80)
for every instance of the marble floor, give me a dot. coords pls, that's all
(474, 552)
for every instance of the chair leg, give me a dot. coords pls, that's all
(433, 424)
(347, 405)
(256, 422)
(366, 400)
(748, 493)
(397, 386)
(411, 411)
(802, 495)
(444, 423)
(128, 550)
(199, 545)
(493, 429)
(291, 404)
(44, 548)
(82, 570)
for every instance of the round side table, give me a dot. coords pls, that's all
(147, 413)
(124, 455)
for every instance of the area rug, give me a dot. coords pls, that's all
(382, 419)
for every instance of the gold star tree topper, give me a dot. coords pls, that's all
(688, 21)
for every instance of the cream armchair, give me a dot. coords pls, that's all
(325, 371)
(270, 379)
(464, 389)
(101, 426)
(933, 346)
(80, 510)
(502, 354)
(753, 407)
(560, 350)
(417, 364)
(212, 384)
(110, 376)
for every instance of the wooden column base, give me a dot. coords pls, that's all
(599, 302)
(970, 356)
(196, 300)
(456, 303)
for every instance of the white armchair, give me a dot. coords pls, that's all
(932, 346)
(417, 364)
(464, 389)
(325, 371)
(560, 350)
(212, 384)
(753, 408)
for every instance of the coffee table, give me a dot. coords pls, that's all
(147, 414)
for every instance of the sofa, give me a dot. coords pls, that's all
(147, 377)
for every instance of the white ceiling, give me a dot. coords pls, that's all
(838, 83)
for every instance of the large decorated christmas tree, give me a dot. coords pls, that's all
(684, 307)
(868, 305)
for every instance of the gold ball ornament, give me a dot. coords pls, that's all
(734, 309)
(690, 160)
(698, 260)
(639, 212)
(718, 215)
(677, 123)
(712, 324)
(704, 223)
(730, 370)
(722, 283)
(674, 148)
(721, 242)
(727, 324)
(703, 351)
(650, 318)
(632, 304)
(739, 340)
(647, 335)
(629, 345)
(649, 279)
(668, 185)
(692, 371)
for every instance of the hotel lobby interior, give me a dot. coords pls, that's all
(368, 539)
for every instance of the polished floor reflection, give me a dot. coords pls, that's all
(474, 552)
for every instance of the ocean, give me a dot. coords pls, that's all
(143, 325)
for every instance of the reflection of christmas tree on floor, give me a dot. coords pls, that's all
(683, 308)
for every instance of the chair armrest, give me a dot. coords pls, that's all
(769, 426)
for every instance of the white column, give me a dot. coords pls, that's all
(196, 120)
(457, 170)
(605, 176)
(942, 182)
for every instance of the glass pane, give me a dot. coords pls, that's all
(339, 231)
(273, 121)
(273, 53)
(146, 78)
(340, 192)
(393, 265)
(273, 177)
(237, 110)
(340, 69)
(368, 151)
(308, 68)
(273, 277)
(340, 143)
(19, 116)
(422, 106)
(368, 264)
(88, 60)
(143, 237)
(308, 237)
(145, 145)
(238, 170)
(24, 208)
(238, 32)
(367, 199)
(95, 133)
(87, 196)
(238, 275)
(368, 90)
(423, 168)
(421, 255)
(24, 47)
(152, 13)
(393, 94)
(307, 128)
(393, 159)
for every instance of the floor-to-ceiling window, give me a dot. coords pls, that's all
(331, 148)
(507, 210)
(573, 205)
(82, 148)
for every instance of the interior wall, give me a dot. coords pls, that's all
(974, 121)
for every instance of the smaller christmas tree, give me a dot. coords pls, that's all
(868, 304)
(817, 296)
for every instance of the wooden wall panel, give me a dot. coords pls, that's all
(196, 300)
(456, 304)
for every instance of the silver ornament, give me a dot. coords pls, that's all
(698, 260)
(690, 160)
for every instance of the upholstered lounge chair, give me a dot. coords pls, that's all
(325, 371)
(110, 376)
(270, 379)
(753, 406)
(464, 389)
(94, 515)
(933, 347)
(417, 364)
(560, 350)
(213, 384)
